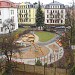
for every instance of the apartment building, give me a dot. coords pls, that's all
(8, 10)
(55, 14)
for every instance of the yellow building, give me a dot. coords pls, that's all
(26, 13)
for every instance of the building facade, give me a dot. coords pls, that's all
(8, 10)
(26, 14)
(55, 14)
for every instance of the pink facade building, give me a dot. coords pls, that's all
(8, 10)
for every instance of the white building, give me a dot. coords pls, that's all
(55, 14)
(8, 10)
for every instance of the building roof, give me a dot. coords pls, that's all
(5, 0)
(25, 3)
(55, 3)
(7, 4)
(34, 5)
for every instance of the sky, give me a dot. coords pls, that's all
(66, 2)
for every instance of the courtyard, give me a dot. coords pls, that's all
(47, 53)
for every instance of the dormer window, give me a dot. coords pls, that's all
(0, 21)
(28, 6)
(0, 12)
(12, 12)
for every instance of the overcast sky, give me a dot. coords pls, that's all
(66, 2)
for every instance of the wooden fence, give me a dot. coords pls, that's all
(41, 70)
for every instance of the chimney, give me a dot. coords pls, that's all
(53, 1)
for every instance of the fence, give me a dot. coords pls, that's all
(41, 70)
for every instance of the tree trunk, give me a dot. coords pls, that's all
(55, 71)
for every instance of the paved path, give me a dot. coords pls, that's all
(50, 41)
(51, 57)
(42, 43)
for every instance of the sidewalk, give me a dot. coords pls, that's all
(51, 57)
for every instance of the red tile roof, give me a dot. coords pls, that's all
(7, 4)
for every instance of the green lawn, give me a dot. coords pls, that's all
(19, 30)
(44, 36)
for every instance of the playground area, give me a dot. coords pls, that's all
(25, 40)
(32, 51)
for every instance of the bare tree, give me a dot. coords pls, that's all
(70, 21)
(8, 46)
(9, 25)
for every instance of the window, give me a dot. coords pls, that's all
(24, 11)
(18, 20)
(53, 11)
(58, 11)
(47, 21)
(28, 6)
(20, 11)
(22, 20)
(53, 21)
(24, 15)
(57, 16)
(61, 16)
(61, 21)
(0, 12)
(47, 11)
(1, 29)
(29, 11)
(24, 6)
(47, 16)
(58, 6)
(26, 19)
(53, 16)
(61, 11)
(53, 6)
(61, 6)
(29, 15)
(29, 20)
(12, 12)
(20, 15)
(12, 18)
(57, 21)
(0, 21)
